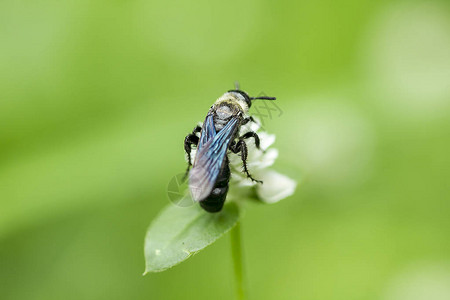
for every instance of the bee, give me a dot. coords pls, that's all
(210, 173)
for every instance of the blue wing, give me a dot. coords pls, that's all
(209, 160)
(208, 132)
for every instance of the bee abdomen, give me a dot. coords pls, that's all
(214, 202)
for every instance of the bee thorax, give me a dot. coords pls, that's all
(224, 112)
(222, 116)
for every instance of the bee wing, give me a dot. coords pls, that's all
(209, 160)
(208, 132)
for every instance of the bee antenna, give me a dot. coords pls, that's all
(263, 98)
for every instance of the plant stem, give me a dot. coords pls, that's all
(236, 251)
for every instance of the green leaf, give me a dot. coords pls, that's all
(179, 232)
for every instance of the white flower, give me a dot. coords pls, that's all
(275, 186)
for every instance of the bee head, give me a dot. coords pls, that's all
(248, 100)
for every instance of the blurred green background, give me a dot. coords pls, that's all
(97, 96)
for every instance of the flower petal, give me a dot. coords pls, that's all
(276, 186)
(263, 160)
(266, 139)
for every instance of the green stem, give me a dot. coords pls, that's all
(236, 251)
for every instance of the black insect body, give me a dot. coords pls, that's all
(210, 174)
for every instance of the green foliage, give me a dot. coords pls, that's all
(96, 98)
(179, 232)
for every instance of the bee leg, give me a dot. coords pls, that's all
(189, 140)
(240, 146)
(196, 129)
(252, 134)
(249, 119)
